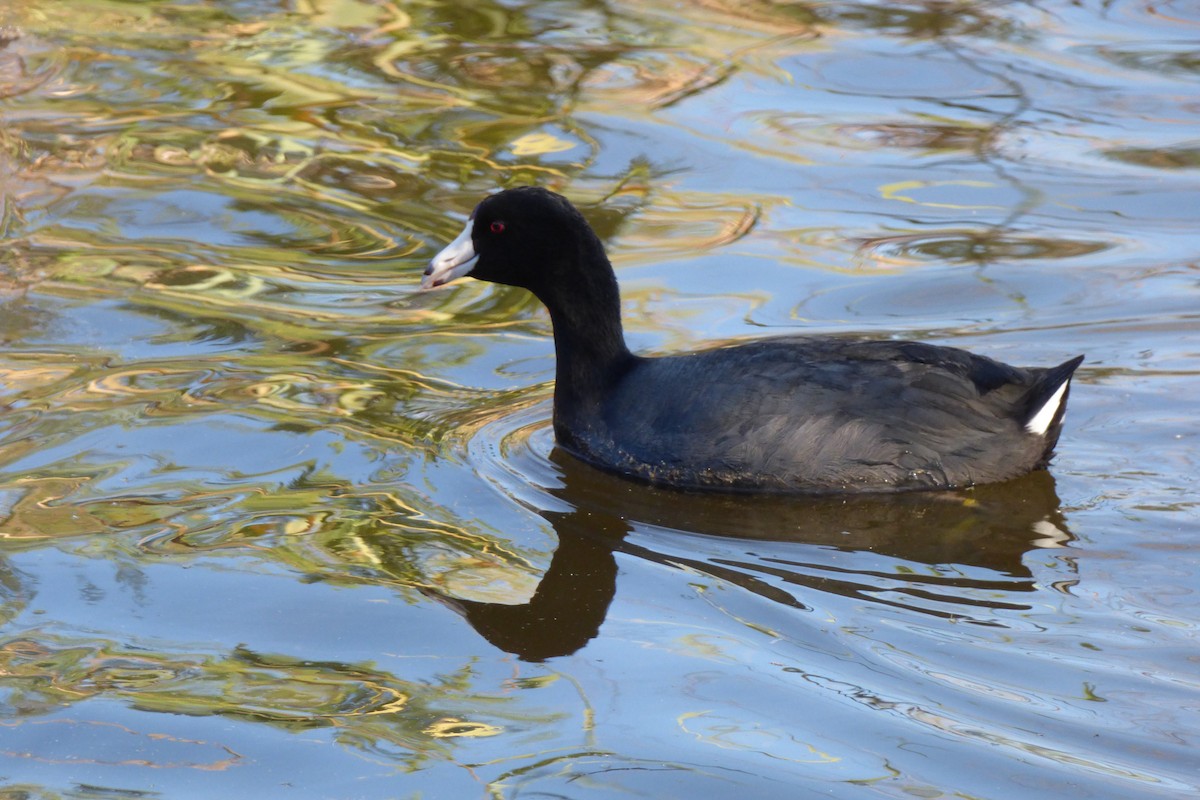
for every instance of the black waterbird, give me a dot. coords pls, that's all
(788, 414)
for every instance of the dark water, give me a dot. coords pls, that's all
(276, 524)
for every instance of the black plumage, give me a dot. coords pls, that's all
(788, 414)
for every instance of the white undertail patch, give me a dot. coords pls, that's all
(1039, 423)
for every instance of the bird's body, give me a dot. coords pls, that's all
(788, 414)
(815, 415)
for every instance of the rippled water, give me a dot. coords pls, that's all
(277, 524)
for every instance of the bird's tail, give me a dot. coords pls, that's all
(1046, 402)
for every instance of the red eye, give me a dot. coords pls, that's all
(496, 227)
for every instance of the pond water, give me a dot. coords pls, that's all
(274, 523)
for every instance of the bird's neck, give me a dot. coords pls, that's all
(589, 342)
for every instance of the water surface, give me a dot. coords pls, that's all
(275, 523)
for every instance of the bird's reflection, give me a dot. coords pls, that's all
(914, 550)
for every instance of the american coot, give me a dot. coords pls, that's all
(789, 414)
